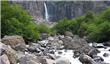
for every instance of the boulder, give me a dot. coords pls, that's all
(98, 58)
(29, 59)
(13, 40)
(34, 47)
(85, 59)
(105, 54)
(4, 59)
(47, 61)
(106, 43)
(11, 54)
(67, 33)
(62, 60)
(76, 43)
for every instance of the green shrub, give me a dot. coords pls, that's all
(95, 27)
(16, 21)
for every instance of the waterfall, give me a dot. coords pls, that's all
(46, 12)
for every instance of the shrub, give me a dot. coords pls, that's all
(16, 21)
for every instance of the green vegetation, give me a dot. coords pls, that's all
(16, 21)
(95, 27)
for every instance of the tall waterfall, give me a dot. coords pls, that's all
(46, 12)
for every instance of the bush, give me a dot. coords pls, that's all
(16, 21)
(95, 27)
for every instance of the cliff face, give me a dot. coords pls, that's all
(59, 10)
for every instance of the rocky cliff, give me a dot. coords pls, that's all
(59, 9)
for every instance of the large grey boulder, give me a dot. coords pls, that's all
(85, 59)
(29, 59)
(14, 41)
(62, 60)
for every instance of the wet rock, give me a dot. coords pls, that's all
(76, 54)
(85, 59)
(105, 54)
(47, 61)
(106, 43)
(93, 52)
(59, 52)
(51, 56)
(98, 58)
(62, 60)
(4, 59)
(13, 40)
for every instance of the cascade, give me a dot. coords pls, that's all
(46, 12)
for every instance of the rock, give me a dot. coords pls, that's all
(20, 47)
(11, 54)
(13, 40)
(44, 36)
(93, 51)
(59, 52)
(105, 54)
(77, 43)
(67, 33)
(47, 61)
(62, 60)
(98, 58)
(51, 56)
(85, 59)
(76, 54)
(29, 59)
(4, 59)
(106, 43)
(43, 43)
(52, 52)
(34, 48)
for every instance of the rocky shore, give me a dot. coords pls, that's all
(59, 49)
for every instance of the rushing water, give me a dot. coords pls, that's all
(46, 12)
(68, 54)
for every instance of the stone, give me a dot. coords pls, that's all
(59, 52)
(85, 59)
(4, 59)
(44, 36)
(105, 54)
(20, 47)
(76, 43)
(62, 60)
(11, 54)
(13, 40)
(106, 43)
(67, 33)
(47, 61)
(98, 58)
(29, 59)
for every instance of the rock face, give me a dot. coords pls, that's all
(59, 10)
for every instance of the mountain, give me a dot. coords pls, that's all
(57, 10)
